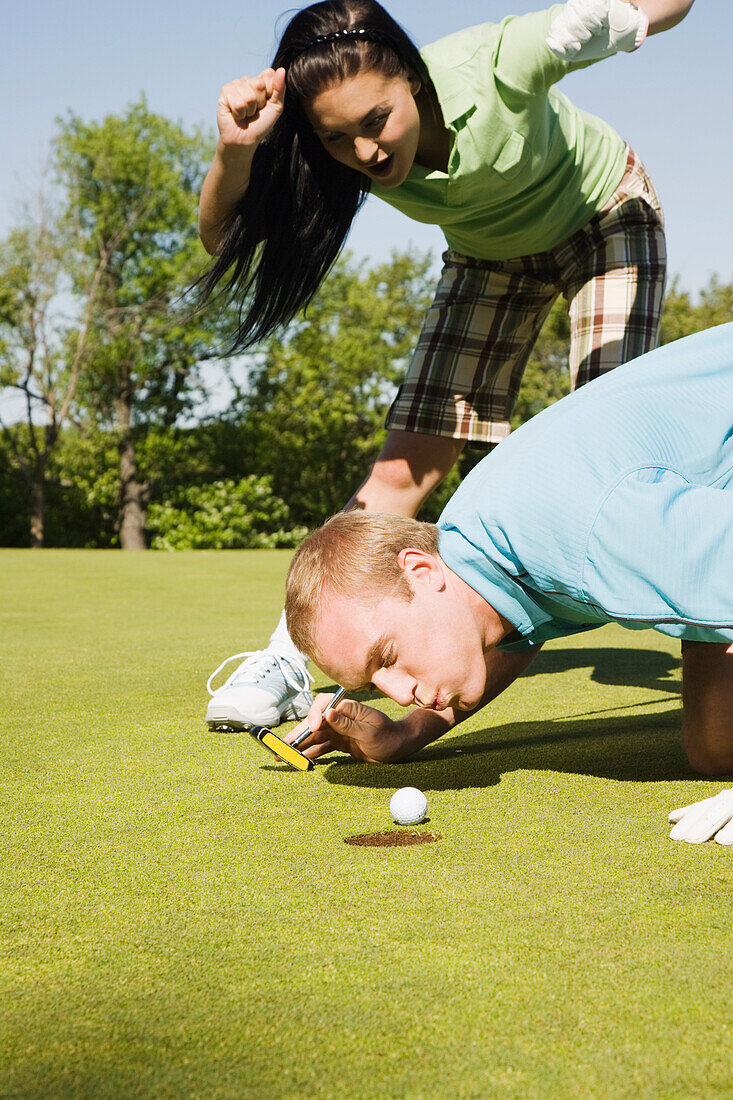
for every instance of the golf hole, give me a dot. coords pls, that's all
(391, 839)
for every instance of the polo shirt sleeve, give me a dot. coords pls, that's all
(660, 551)
(523, 60)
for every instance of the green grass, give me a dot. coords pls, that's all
(182, 919)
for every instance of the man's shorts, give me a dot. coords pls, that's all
(486, 316)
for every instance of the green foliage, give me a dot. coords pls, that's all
(17, 300)
(131, 185)
(33, 364)
(224, 515)
(317, 398)
(13, 498)
(682, 317)
(132, 182)
(84, 491)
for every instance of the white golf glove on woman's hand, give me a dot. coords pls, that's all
(587, 30)
(701, 821)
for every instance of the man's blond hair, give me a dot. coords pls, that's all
(353, 554)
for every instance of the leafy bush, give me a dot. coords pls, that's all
(223, 515)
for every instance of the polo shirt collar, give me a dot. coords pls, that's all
(456, 95)
(504, 592)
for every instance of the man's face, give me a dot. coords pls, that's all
(427, 651)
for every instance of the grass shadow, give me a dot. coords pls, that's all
(642, 668)
(642, 748)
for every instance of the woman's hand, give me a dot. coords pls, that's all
(248, 110)
(250, 107)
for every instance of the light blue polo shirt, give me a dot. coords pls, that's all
(613, 505)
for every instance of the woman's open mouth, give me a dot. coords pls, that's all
(382, 167)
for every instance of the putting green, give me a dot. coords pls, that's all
(182, 918)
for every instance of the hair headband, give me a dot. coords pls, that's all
(348, 34)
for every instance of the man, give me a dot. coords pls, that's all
(614, 505)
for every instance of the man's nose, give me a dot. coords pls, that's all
(365, 149)
(398, 685)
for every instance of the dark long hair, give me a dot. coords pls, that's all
(288, 228)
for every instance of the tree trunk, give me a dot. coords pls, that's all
(38, 508)
(132, 523)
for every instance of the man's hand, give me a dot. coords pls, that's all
(701, 821)
(364, 732)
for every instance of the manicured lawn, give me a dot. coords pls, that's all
(181, 918)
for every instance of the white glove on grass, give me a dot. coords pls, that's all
(586, 30)
(701, 821)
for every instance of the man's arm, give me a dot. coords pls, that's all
(368, 734)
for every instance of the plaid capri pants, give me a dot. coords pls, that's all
(467, 367)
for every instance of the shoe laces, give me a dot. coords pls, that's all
(257, 664)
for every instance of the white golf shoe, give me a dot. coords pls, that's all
(267, 688)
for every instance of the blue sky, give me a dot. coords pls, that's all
(673, 100)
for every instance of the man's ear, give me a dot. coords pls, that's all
(421, 568)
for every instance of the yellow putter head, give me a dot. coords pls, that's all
(278, 747)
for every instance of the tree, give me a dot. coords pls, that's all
(130, 186)
(41, 351)
(315, 399)
(13, 498)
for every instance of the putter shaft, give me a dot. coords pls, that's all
(307, 732)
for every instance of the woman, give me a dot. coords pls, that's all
(535, 197)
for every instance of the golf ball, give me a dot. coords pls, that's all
(408, 806)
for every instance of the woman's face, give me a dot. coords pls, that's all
(369, 122)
